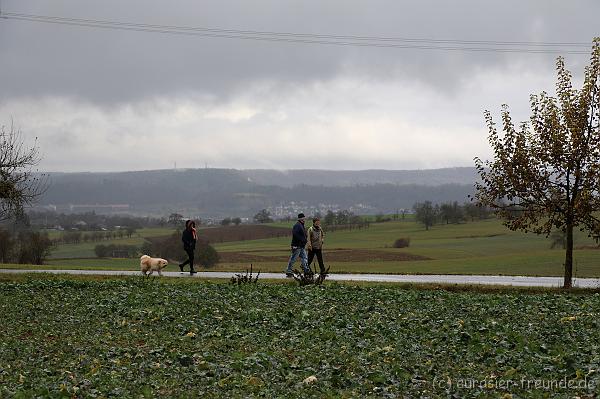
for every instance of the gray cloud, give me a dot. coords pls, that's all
(114, 66)
(102, 99)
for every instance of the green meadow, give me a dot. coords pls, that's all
(479, 247)
(86, 249)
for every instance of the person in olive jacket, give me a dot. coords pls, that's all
(316, 237)
(189, 238)
(299, 240)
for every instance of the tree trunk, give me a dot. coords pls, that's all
(569, 258)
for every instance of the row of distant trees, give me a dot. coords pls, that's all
(229, 221)
(117, 251)
(89, 221)
(28, 247)
(176, 220)
(77, 237)
(339, 220)
(426, 212)
(430, 214)
(343, 220)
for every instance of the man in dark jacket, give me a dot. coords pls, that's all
(189, 238)
(298, 247)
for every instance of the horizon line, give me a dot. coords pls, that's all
(259, 169)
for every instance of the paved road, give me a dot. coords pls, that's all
(392, 278)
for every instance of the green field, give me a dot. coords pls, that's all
(86, 250)
(481, 247)
(134, 338)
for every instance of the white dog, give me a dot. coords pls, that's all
(152, 264)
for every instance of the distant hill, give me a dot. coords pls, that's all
(226, 192)
(426, 177)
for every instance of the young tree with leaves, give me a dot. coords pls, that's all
(451, 212)
(426, 213)
(329, 219)
(264, 216)
(175, 219)
(545, 174)
(226, 222)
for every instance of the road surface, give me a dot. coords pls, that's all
(521, 281)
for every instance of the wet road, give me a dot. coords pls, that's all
(522, 281)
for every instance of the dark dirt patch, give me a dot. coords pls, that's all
(333, 255)
(242, 233)
(482, 235)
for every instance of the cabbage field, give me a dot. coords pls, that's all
(63, 337)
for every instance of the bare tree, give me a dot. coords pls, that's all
(34, 247)
(19, 184)
(7, 244)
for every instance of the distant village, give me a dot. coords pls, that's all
(282, 211)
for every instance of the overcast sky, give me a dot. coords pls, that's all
(111, 100)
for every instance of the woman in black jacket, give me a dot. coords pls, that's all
(189, 238)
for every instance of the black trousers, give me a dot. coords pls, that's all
(319, 254)
(190, 261)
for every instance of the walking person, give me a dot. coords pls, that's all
(316, 237)
(298, 247)
(189, 238)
